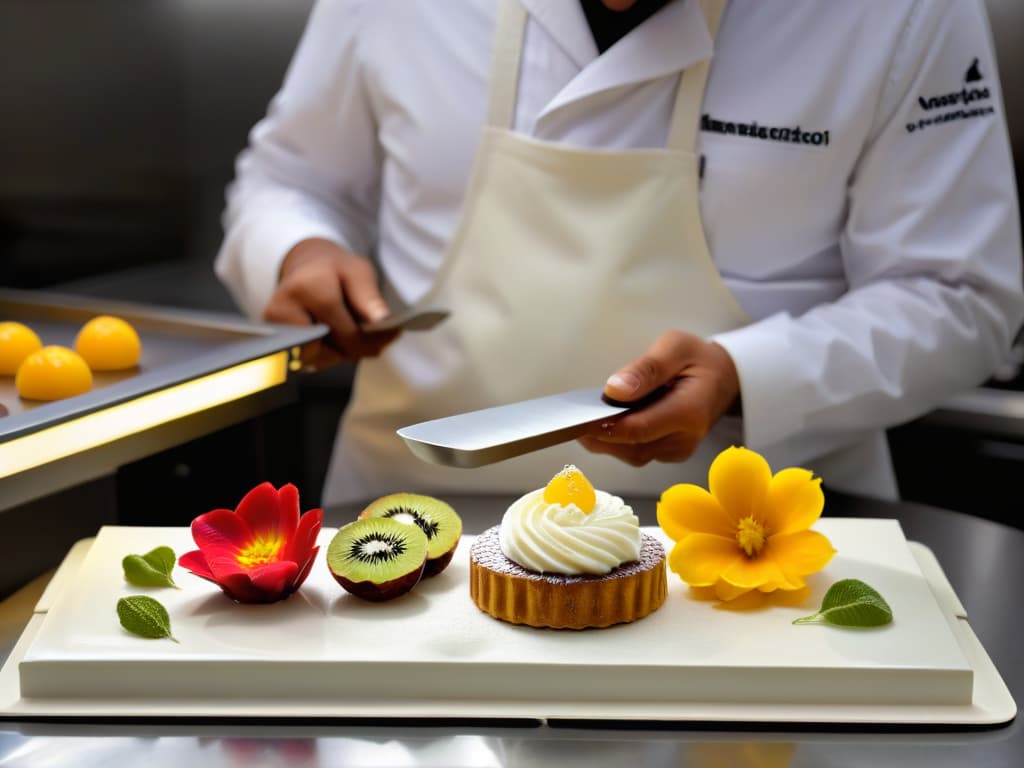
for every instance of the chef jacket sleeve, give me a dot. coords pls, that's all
(312, 165)
(931, 250)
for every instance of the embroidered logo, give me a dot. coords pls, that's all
(790, 135)
(973, 73)
(978, 95)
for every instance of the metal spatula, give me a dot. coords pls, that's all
(482, 437)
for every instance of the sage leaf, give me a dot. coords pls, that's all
(152, 569)
(851, 603)
(145, 617)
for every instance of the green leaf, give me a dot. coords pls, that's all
(145, 617)
(152, 569)
(851, 603)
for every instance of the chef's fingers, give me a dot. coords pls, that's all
(685, 408)
(321, 282)
(283, 309)
(372, 344)
(664, 359)
(673, 448)
(309, 289)
(704, 386)
(362, 302)
(318, 356)
(362, 294)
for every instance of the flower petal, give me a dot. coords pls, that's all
(221, 531)
(686, 508)
(288, 509)
(800, 553)
(789, 585)
(297, 548)
(305, 569)
(725, 591)
(238, 587)
(269, 513)
(700, 558)
(739, 479)
(274, 578)
(794, 502)
(223, 564)
(752, 572)
(195, 562)
(704, 594)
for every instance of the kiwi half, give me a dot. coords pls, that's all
(377, 559)
(435, 518)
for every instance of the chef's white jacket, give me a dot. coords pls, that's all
(857, 190)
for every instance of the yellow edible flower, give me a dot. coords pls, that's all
(749, 530)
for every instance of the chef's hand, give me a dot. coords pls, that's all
(320, 282)
(701, 385)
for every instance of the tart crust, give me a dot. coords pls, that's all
(511, 593)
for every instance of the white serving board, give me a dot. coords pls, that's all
(432, 653)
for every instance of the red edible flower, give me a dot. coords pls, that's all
(262, 551)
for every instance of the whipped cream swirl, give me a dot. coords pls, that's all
(551, 538)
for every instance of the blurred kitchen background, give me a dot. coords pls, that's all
(121, 120)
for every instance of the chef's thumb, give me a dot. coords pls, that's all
(362, 293)
(652, 370)
(636, 380)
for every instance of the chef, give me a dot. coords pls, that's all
(798, 218)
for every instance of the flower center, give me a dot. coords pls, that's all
(260, 552)
(750, 534)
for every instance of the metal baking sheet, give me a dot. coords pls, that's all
(177, 346)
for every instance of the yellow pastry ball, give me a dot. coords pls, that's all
(109, 344)
(53, 373)
(17, 341)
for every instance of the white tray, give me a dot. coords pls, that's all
(323, 653)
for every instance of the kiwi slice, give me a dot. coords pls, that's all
(435, 518)
(377, 559)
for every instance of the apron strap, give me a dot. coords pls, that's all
(508, 47)
(683, 127)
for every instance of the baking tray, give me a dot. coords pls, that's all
(349, 640)
(177, 346)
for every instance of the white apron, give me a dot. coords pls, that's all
(566, 265)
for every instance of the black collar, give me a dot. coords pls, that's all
(608, 27)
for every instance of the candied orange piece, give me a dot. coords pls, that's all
(109, 344)
(53, 373)
(570, 486)
(17, 341)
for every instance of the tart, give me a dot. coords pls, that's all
(568, 557)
